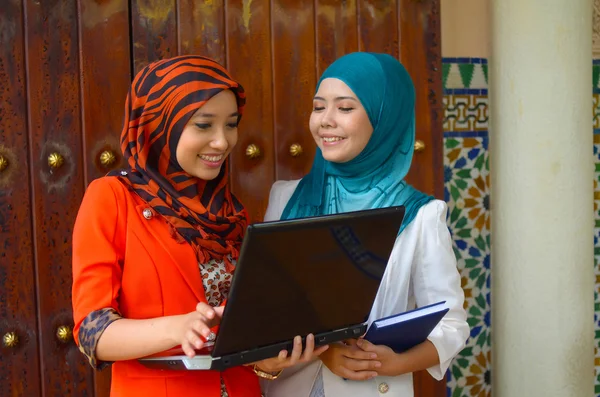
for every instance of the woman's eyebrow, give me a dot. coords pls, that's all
(234, 114)
(339, 98)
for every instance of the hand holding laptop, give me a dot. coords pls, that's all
(273, 366)
(193, 330)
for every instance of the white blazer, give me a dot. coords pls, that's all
(421, 271)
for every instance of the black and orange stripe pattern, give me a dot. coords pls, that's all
(162, 98)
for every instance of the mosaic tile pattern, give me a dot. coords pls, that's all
(596, 121)
(596, 75)
(464, 73)
(466, 112)
(597, 261)
(467, 181)
(466, 163)
(596, 110)
(467, 193)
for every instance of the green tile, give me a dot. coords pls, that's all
(466, 73)
(484, 67)
(480, 243)
(456, 372)
(461, 223)
(467, 352)
(463, 363)
(465, 233)
(480, 301)
(470, 263)
(481, 281)
(461, 184)
(458, 392)
(482, 339)
(451, 143)
(466, 173)
(473, 274)
(445, 72)
(595, 75)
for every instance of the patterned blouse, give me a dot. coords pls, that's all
(215, 280)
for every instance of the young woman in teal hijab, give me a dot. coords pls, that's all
(363, 122)
(374, 178)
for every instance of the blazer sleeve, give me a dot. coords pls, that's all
(98, 247)
(436, 278)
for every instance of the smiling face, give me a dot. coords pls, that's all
(339, 123)
(209, 136)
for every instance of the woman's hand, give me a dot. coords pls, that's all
(390, 360)
(282, 361)
(348, 361)
(193, 329)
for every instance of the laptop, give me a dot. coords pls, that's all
(314, 275)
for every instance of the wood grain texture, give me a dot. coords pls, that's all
(420, 49)
(249, 61)
(201, 27)
(55, 127)
(105, 78)
(294, 80)
(153, 30)
(378, 26)
(19, 365)
(336, 30)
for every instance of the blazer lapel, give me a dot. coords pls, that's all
(182, 254)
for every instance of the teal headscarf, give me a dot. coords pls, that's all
(375, 178)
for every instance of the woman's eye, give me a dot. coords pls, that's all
(318, 108)
(346, 109)
(232, 125)
(203, 126)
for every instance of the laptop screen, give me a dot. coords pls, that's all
(310, 275)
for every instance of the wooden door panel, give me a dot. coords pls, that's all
(294, 80)
(336, 30)
(105, 77)
(202, 29)
(420, 52)
(249, 55)
(55, 136)
(153, 30)
(19, 356)
(378, 26)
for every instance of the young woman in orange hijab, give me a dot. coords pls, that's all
(155, 245)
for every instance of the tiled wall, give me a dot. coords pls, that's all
(467, 184)
(596, 113)
(467, 180)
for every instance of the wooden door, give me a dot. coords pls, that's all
(68, 64)
(19, 357)
(55, 149)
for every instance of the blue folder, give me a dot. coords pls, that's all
(403, 331)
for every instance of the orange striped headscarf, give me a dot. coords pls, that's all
(162, 98)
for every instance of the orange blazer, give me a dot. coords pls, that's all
(132, 264)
